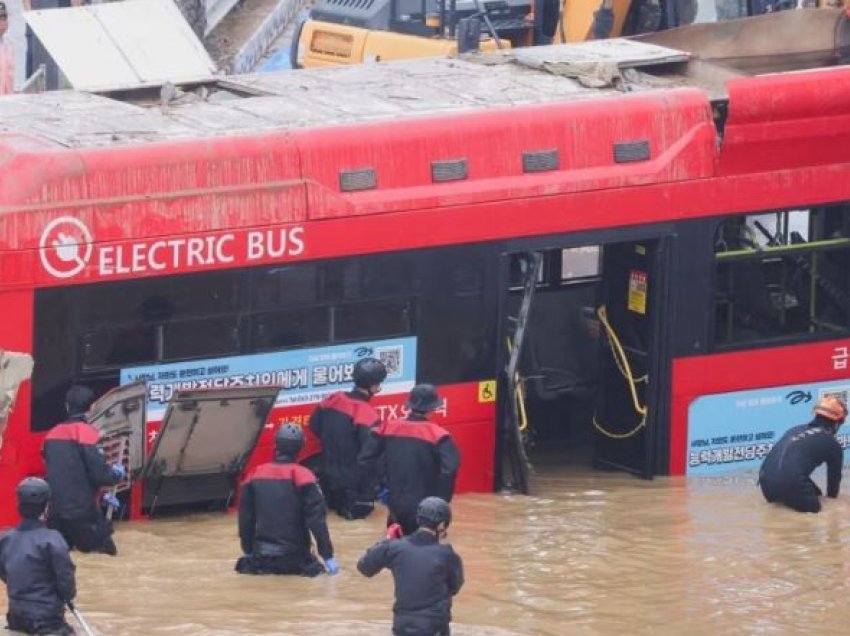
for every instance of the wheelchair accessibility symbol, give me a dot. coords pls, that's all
(487, 391)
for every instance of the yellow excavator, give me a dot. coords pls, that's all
(340, 32)
(353, 31)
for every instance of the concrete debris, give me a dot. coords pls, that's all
(15, 368)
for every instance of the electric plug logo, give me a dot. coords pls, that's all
(65, 247)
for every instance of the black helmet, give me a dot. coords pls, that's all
(78, 399)
(368, 372)
(33, 490)
(433, 511)
(289, 439)
(33, 495)
(424, 398)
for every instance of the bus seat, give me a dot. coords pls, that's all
(559, 354)
(550, 383)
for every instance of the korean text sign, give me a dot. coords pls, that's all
(735, 431)
(304, 375)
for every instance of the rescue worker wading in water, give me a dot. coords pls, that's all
(76, 470)
(342, 423)
(36, 567)
(419, 458)
(427, 574)
(785, 475)
(281, 505)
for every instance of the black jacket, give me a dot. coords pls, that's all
(426, 575)
(793, 458)
(419, 457)
(37, 570)
(281, 504)
(76, 470)
(342, 422)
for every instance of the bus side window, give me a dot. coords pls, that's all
(292, 327)
(457, 312)
(208, 337)
(782, 275)
(580, 263)
(119, 347)
(283, 286)
(373, 319)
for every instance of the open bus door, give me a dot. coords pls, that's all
(119, 416)
(566, 401)
(629, 323)
(516, 463)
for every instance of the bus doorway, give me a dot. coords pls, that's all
(582, 346)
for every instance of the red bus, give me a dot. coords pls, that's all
(651, 273)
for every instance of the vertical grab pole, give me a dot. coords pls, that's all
(532, 262)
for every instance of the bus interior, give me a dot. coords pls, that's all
(591, 324)
(581, 322)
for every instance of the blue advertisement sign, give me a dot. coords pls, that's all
(304, 375)
(735, 431)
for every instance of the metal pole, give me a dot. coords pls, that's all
(123, 442)
(82, 621)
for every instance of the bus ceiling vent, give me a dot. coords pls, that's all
(449, 170)
(629, 151)
(354, 180)
(540, 160)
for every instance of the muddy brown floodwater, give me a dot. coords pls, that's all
(589, 553)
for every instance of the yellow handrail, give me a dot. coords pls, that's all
(519, 388)
(625, 368)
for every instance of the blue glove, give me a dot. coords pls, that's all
(109, 499)
(118, 471)
(332, 566)
(383, 496)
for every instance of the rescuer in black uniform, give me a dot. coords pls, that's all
(419, 458)
(427, 574)
(36, 567)
(342, 422)
(281, 505)
(785, 473)
(76, 470)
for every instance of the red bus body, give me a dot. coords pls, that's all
(238, 200)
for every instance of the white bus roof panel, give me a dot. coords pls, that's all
(122, 45)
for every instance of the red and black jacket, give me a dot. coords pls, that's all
(342, 422)
(281, 505)
(420, 459)
(76, 470)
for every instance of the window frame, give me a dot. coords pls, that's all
(818, 330)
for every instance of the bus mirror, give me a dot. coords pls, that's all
(468, 34)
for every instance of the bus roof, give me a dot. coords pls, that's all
(432, 136)
(327, 97)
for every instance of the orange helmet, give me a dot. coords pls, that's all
(831, 408)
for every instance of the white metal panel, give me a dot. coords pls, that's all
(122, 45)
(156, 39)
(75, 39)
